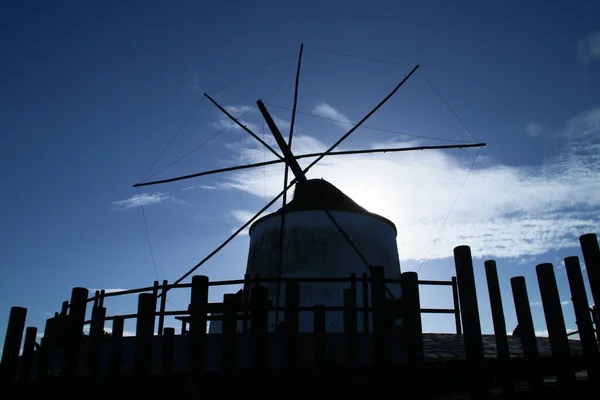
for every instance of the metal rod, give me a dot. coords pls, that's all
(310, 155)
(457, 320)
(244, 127)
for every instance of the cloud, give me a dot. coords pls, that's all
(205, 187)
(588, 48)
(503, 210)
(242, 216)
(238, 112)
(326, 111)
(544, 333)
(533, 129)
(143, 199)
(539, 303)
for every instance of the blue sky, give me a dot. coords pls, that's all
(92, 93)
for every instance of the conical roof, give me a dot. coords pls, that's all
(318, 194)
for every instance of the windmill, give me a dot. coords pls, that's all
(307, 191)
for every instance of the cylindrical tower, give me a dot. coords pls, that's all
(314, 247)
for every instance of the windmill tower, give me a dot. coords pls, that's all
(321, 233)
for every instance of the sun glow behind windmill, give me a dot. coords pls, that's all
(307, 191)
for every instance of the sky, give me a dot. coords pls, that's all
(97, 96)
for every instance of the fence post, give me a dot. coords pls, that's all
(197, 333)
(455, 301)
(246, 303)
(350, 325)
(412, 317)
(12, 344)
(74, 336)
(259, 329)
(142, 366)
(503, 353)
(555, 322)
(28, 352)
(582, 316)
(591, 256)
(379, 313)
(320, 334)
(470, 319)
(114, 364)
(168, 339)
(163, 307)
(365, 301)
(95, 347)
(292, 303)
(527, 332)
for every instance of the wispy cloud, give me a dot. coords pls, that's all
(533, 129)
(242, 216)
(544, 333)
(539, 303)
(143, 199)
(204, 187)
(503, 211)
(588, 48)
(326, 111)
(240, 113)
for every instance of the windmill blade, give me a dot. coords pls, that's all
(244, 127)
(366, 117)
(290, 161)
(312, 155)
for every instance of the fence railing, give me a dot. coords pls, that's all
(81, 367)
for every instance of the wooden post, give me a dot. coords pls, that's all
(470, 321)
(74, 336)
(12, 345)
(527, 331)
(168, 345)
(582, 316)
(64, 308)
(95, 347)
(142, 365)
(197, 333)
(42, 361)
(350, 325)
(365, 301)
(319, 334)
(101, 301)
(163, 307)
(591, 256)
(502, 349)
(114, 365)
(555, 322)
(96, 299)
(292, 303)
(246, 303)
(412, 317)
(379, 313)
(28, 352)
(259, 327)
(456, 304)
(229, 332)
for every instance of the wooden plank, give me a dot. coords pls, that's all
(197, 333)
(471, 323)
(502, 350)
(259, 339)
(412, 317)
(168, 346)
(555, 322)
(527, 332)
(581, 306)
(229, 333)
(12, 345)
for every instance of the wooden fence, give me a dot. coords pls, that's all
(83, 373)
